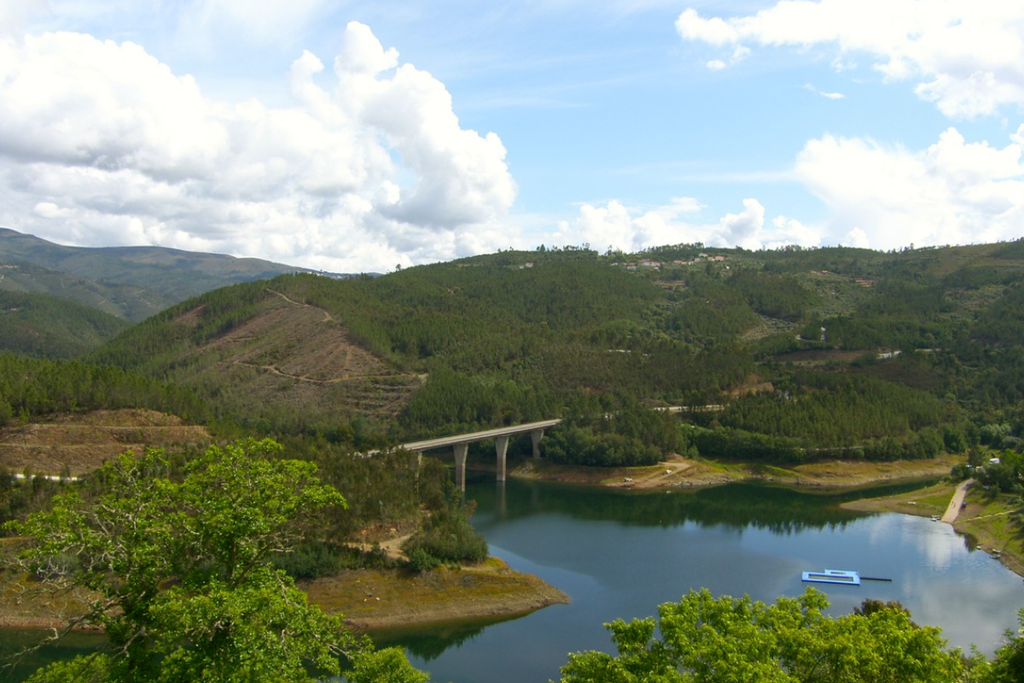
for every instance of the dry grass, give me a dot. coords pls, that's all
(77, 444)
(375, 599)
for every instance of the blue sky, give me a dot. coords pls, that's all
(358, 136)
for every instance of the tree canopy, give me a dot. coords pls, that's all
(179, 574)
(705, 639)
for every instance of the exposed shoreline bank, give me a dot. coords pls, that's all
(372, 600)
(679, 472)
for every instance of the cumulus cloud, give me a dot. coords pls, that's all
(886, 197)
(631, 230)
(966, 56)
(876, 196)
(100, 142)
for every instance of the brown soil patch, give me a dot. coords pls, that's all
(77, 444)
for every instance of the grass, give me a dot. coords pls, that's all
(375, 599)
(995, 521)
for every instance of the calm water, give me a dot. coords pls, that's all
(620, 555)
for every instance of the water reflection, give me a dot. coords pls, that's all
(738, 506)
(16, 666)
(619, 555)
(429, 644)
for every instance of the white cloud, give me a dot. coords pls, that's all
(101, 143)
(968, 56)
(631, 230)
(953, 192)
(826, 95)
(876, 196)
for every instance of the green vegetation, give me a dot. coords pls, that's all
(178, 573)
(31, 388)
(703, 638)
(45, 325)
(779, 357)
(130, 282)
(629, 437)
(447, 537)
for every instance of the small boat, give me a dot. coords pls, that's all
(833, 576)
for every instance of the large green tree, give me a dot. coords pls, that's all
(720, 640)
(178, 572)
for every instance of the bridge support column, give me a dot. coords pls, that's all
(535, 436)
(501, 446)
(461, 450)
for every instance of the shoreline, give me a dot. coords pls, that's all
(680, 472)
(379, 600)
(371, 600)
(977, 514)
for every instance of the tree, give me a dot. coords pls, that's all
(1008, 664)
(178, 573)
(727, 639)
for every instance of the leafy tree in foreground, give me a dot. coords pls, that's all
(727, 639)
(1008, 664)
(178, 573)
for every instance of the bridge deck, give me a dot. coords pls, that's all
(430, 444)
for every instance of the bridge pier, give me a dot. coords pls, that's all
(501, 446)
(461, 450)
(535, 437)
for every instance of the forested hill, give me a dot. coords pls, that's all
(906, 351)
(53, 327)
(128, 282)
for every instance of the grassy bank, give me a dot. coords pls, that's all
(376, 599)
(368, 599)
(685, 472)
(991, 520)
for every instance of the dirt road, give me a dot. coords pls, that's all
(956, 502)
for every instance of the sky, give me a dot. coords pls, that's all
(367, 135)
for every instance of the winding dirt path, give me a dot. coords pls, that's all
(327, 315)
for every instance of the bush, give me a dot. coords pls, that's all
(421, 561)
(448, 536)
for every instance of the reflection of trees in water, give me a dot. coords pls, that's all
(777, 509)
(15, 668)
(430, 645)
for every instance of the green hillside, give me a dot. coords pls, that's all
(130, 282)
(920, 348)
(52, 327)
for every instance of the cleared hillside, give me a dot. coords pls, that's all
(74, 445)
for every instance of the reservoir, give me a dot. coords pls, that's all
(619, 555)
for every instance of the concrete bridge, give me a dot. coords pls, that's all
(460, 442)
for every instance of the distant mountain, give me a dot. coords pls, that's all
(128, 282)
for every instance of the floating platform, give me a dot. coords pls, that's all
(833, 576)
